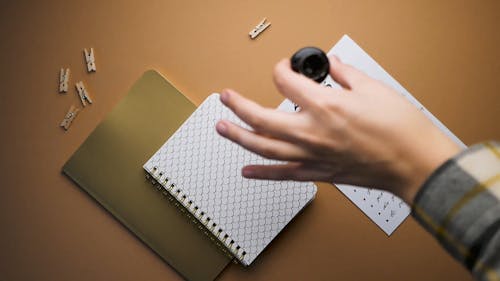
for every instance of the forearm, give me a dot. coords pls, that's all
(460, 205)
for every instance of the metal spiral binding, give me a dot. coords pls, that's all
(163, 183)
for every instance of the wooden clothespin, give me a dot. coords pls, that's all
(82, 92)
(259, 28)
(90, 59)
(69, 117)
(63, 80)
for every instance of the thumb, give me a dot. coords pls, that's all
(346, 75)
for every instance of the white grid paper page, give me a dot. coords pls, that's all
(207, 169)
(383, 208)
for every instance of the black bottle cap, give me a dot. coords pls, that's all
(311, 62)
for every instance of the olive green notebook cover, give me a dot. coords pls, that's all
(108, 166)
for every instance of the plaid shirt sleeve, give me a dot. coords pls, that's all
(460, 205)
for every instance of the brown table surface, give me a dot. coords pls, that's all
(444, 52)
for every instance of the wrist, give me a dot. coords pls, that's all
(424, 161)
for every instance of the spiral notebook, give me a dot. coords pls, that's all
(202, 172)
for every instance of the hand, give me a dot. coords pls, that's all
(363, 134)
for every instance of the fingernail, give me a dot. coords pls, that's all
(224, 96)
(248, 172)
(221, 128)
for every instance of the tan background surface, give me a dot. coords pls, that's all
(444, 52)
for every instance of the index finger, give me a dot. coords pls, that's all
(263, 120)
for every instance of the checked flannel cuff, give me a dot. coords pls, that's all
(460, 205)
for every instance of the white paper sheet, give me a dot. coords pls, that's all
(383, 208)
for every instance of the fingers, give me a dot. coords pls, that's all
(298, 88)
(263, 120)
(264, 146)
(347, 76)
(289, 171)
